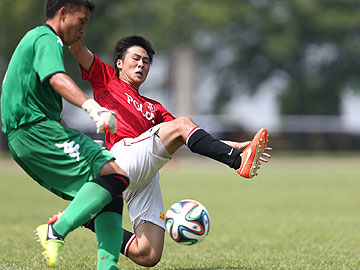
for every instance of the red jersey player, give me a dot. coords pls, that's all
(147, 136)
(135, 113)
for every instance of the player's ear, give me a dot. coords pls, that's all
(119, 64)
(63, 12)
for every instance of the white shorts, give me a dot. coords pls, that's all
(143, 196)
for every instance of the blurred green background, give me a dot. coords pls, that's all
(234, 66)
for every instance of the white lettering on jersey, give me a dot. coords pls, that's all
(149, 115)
(129, 98)
(70, 148)
(138, 106)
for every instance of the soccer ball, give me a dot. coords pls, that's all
(187, 222)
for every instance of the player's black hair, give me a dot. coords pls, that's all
(52, 6)
(125, 43)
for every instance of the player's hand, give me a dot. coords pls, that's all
(77, 46)
(104, 119)
(242, 145)
(265, 155)
(99, 142)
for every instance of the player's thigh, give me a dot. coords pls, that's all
(173, 134)
(146, 204)
(60, 159)
(150, 239)
(135, 156)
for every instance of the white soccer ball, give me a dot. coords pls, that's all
(187, 222)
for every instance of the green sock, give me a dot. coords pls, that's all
(109, 234)
(90, 199)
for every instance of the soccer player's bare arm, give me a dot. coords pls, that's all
(68, 89)
(104, 119)
(82, 54)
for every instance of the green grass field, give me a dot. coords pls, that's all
(302, 212)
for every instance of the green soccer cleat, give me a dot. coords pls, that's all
(51, 243)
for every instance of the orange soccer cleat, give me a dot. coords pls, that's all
(252, 153)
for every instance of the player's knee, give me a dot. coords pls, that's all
(184, 126)
(111, 168)
(147, 256)
(115, 184)
(150, 259)
(154, 261)
(185, 121)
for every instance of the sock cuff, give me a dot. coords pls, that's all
(191, 133)
(115, 184)
(127, 241)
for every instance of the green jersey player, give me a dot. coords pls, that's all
(61, 159)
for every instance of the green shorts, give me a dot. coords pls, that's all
(58, 158)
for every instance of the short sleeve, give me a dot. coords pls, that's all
(48, 56)
(165, 116)
(99, 74)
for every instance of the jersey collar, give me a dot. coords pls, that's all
(128, 86)
(52, 29)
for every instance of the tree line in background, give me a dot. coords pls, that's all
(313, 45)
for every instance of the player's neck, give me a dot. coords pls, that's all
(53, 25)
(128, 83)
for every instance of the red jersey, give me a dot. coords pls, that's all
(134, 113)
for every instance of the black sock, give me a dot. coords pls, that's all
(201, 142)
(90, 225)
(127, 239)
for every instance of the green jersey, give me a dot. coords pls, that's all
(27, 96)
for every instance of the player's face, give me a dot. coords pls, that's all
(73, 25)
(134, 68)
